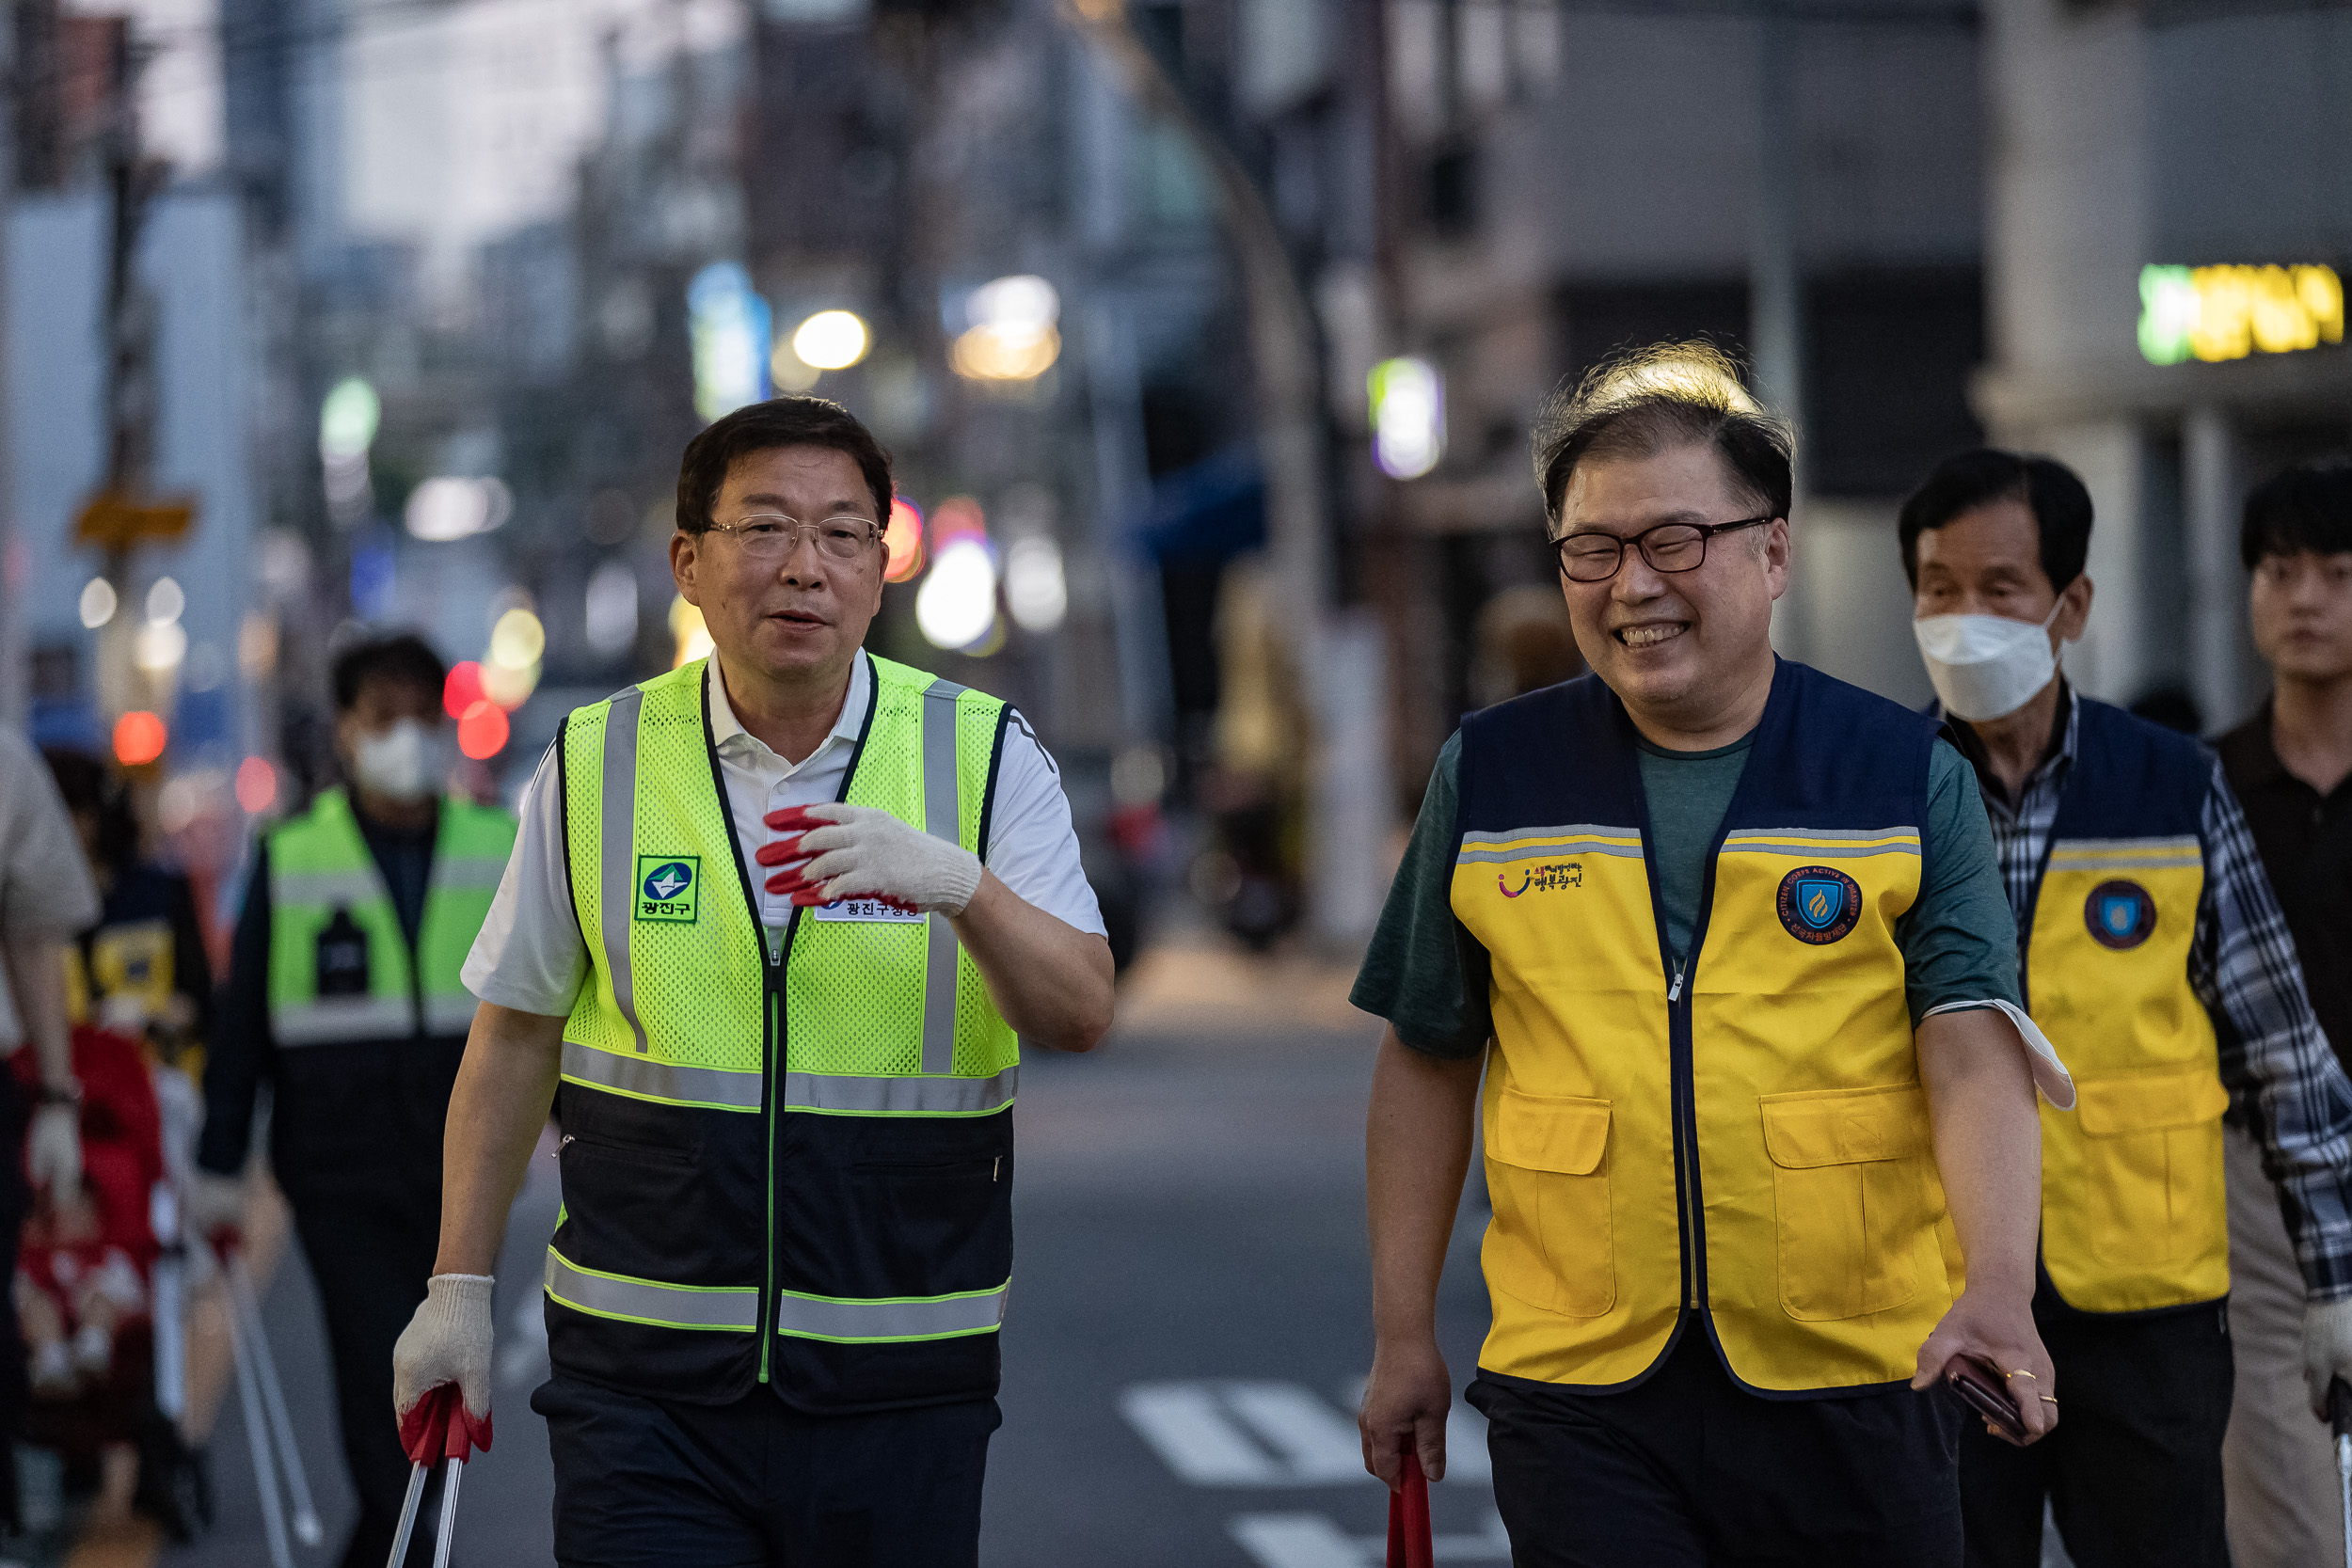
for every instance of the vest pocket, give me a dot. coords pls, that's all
(2152, 1152)
(1552, 1242)
(1850, 1195)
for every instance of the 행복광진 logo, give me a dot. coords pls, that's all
(668, 887)
(1543, 879)
(2120, 915)
(1819, 904)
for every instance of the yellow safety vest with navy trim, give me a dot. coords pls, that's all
(2135, 1216)
(789, 1164)
(1740, 1147)
(339, 965)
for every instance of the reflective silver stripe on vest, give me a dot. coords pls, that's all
(942, 818)
(467, 873)
(648, 1078)
(618, 896)
(326, 889)
(888, 1096)
(920, 1318)
(332, 1019)
(645, 1301)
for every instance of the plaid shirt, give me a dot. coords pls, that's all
(2275, 1062)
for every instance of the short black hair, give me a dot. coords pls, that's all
(2059, 504)
(1646, 400)
(404, 659)
(786, 421)
(2306, 508)
(87, 784)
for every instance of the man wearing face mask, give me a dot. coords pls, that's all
(343, 993)
(2154, 954)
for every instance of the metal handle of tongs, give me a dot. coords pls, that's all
(246, 1309)
(408, 1506)
(269, 1445)
(2340, 1418)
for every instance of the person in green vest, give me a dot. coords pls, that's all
(775, 928)
(345, 996)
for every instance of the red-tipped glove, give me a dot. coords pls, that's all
(1409, 1545)
(843, 851)
(439, 1427)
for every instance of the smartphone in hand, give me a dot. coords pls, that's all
(1986, 1392)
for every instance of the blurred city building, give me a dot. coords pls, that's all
(2167, 225)
(1207, 334)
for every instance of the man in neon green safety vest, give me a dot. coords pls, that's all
(344, 993)
(774, 927)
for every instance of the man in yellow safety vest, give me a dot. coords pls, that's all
(773, 922)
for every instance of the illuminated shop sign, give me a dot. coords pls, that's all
(2229, 312)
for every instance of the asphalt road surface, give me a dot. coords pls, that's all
(1188, 1328)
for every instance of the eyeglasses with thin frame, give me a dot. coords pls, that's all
(1594, 556)
(770, 538)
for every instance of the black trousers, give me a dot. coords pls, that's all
(2133, 1473)
(644, 1483)
(371, 1253)
(1689, 1469)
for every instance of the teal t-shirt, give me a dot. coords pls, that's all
(1429, 976)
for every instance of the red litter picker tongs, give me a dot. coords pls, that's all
(436, 1427)
(1408, 1519)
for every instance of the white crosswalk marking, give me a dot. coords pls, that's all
(1186, 1429)
(1298, 1541)
(1254, 1433)
(1320, 1445)
(1312, 1541)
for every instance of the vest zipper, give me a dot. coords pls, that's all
(773, 1004)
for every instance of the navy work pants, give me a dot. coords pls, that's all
(2133, 1473)
(644, 1483)
(1687, 1469)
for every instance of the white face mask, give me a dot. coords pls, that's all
(1986, 666)
(403, 763)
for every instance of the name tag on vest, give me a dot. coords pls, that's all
(865, 909)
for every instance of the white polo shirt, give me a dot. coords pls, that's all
(528, 956)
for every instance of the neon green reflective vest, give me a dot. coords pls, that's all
(340, 966)
(786, 1163)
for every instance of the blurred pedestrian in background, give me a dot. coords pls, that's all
(1763, 969)
(343, 994)
(788, 1135)
(2289, 765)
(45, 898)
(2154, 955)
(142, 968)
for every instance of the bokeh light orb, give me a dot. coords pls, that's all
(139, 738)
(830, 340)
(482, 731)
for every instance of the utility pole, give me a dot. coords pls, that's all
(124, 512)
(12, 694)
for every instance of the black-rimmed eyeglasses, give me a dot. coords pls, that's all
(1594, 556)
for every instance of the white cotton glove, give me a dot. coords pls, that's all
(2327, 1349)
(212, 1203)
(53, 1151)
(447, 1341)
(838, 851)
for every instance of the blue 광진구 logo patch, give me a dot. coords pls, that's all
(667, 888)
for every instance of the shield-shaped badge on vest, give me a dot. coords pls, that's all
(1819, 904)
(2120, 915)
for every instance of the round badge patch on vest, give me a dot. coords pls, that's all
(1819, 904)
(2120, 915)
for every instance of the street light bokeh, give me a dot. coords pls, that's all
(832, 341)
